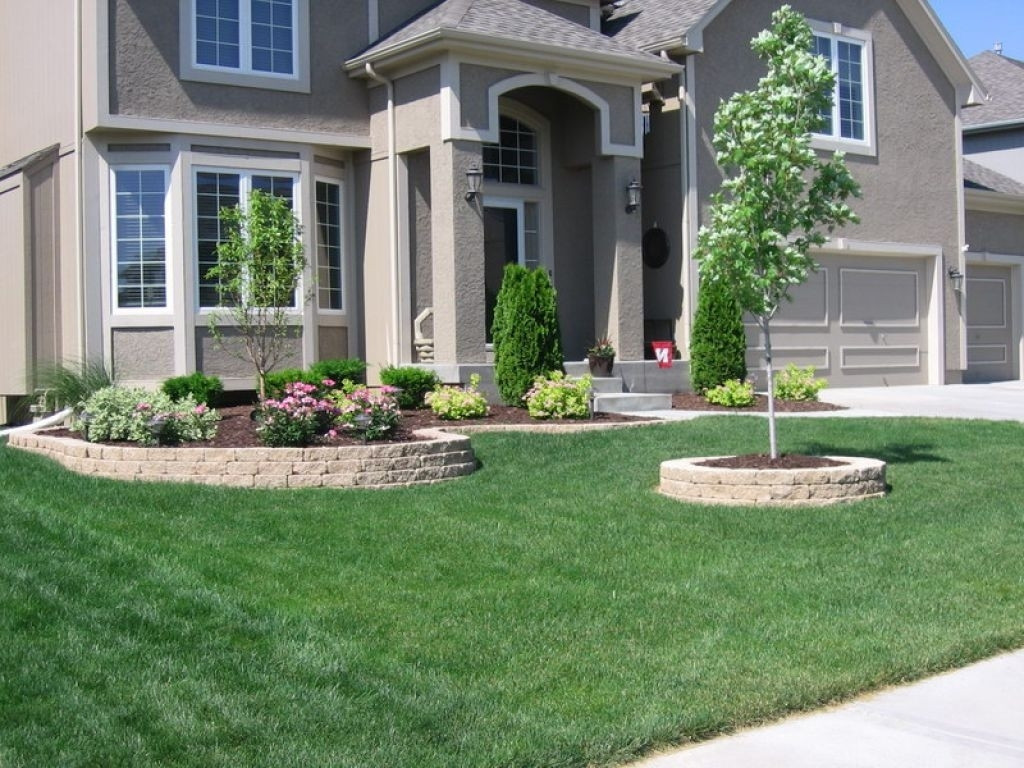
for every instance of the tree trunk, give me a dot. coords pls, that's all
(773, 438)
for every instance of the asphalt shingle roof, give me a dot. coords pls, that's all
(979, 177)
(505, 20)
(643, 23)
(1003, 78)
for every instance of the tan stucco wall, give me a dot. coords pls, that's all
(143, 354)
(910, 188)
(332, 342)
(1001, 233)
(146, 58)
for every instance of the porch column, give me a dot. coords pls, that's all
(618, 266)
(458, 257)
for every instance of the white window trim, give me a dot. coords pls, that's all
(244, 75)
(868, 145)
(116, 308)
(315, 266)
(519, 206)
(245, 187)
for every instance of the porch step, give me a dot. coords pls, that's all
(610, 385)
(625, 402)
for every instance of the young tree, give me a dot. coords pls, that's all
(257, 271)
(527, 338)
(718, 343)
(779, 199)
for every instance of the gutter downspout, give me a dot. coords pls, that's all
(396, 295)
(79, 190)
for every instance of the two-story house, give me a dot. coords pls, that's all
(994, 177)
(426, 144)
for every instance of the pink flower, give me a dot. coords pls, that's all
(201, 409)
(143, 407)
(327, 382)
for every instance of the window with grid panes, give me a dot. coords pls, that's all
(140, 237)
(513, 160)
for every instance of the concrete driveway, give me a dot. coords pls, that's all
(1003, 401)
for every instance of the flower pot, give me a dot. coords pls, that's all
(601, 367)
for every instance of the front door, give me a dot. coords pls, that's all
(990, 347)
(501, 246)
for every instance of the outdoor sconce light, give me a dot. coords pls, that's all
(956, 277)
(633, 196)
(473, 178)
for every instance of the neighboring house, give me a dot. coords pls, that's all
(136, 120)
(994, 180)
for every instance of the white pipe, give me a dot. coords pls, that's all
(49, 421)
(79, 190)
(394, 355)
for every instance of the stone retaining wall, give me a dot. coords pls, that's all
(857, 478)
(437, 458)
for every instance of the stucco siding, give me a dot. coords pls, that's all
(227, 362)
(332, 342)
(145, 63)
(143, 354)
(1001, 233)
(622, 111)
(474, 80)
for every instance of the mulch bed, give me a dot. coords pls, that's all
(692, 402)
(764, 461)
(237, 429)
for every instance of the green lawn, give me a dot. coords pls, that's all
(550, 610)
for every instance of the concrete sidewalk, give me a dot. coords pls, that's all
(969, 718)
(1003, 401)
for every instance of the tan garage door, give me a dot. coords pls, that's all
(990, 348)
(861, 321)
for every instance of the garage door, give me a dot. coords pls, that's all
(990, 348)
(861, 321)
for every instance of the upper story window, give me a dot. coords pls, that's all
(139, 237)
(513, 160)
(849, 125)
(328, 245)
(260, 43)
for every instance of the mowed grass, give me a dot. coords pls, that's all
(550, 610)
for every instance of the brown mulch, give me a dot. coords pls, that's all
(692, 402)
(764, 461)
(237, 429)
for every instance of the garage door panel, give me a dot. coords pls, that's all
(809, 307)
(987, 354)
(990, 334)
(879, 357)
(879, 297)
(986, 305)
(783, 356)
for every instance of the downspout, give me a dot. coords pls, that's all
(393, 351)
(79, 191)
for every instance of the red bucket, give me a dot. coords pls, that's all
(663, 353)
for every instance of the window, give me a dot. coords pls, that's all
(216, 190)
(848, 122)
(514, 159)
(140, 237)
(328, 244)
(259, 43)
(247, 35)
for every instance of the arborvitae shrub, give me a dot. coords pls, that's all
(718, 343)
(527, 339)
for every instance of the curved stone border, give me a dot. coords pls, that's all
(439, 457)
(857, 478)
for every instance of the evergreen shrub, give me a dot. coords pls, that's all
(527, 337)
(204, 389)
(718, 343)
(413, 382)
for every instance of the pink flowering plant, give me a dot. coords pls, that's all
(297, 418)
(372, 413)
(140, 416)
(558, 396)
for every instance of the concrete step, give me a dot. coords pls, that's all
(612, 385)
(631, 401)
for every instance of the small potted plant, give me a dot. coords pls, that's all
(601, 357)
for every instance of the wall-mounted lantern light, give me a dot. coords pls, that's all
(473, 178)
(956, 278)
(633, 196)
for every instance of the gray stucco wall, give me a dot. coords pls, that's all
(910, 188)
(622, 129)
(420, 246)
(145, 62)
(143, 354)
(212, 359)
(571, 11)
(332, 342)
(474, 81)
(1001, 233)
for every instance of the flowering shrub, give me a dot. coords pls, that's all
(363, 410)
(733, 394)
(455, 403)
(149, 418)
(559, 397)
(296, 418)
(798, 383)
